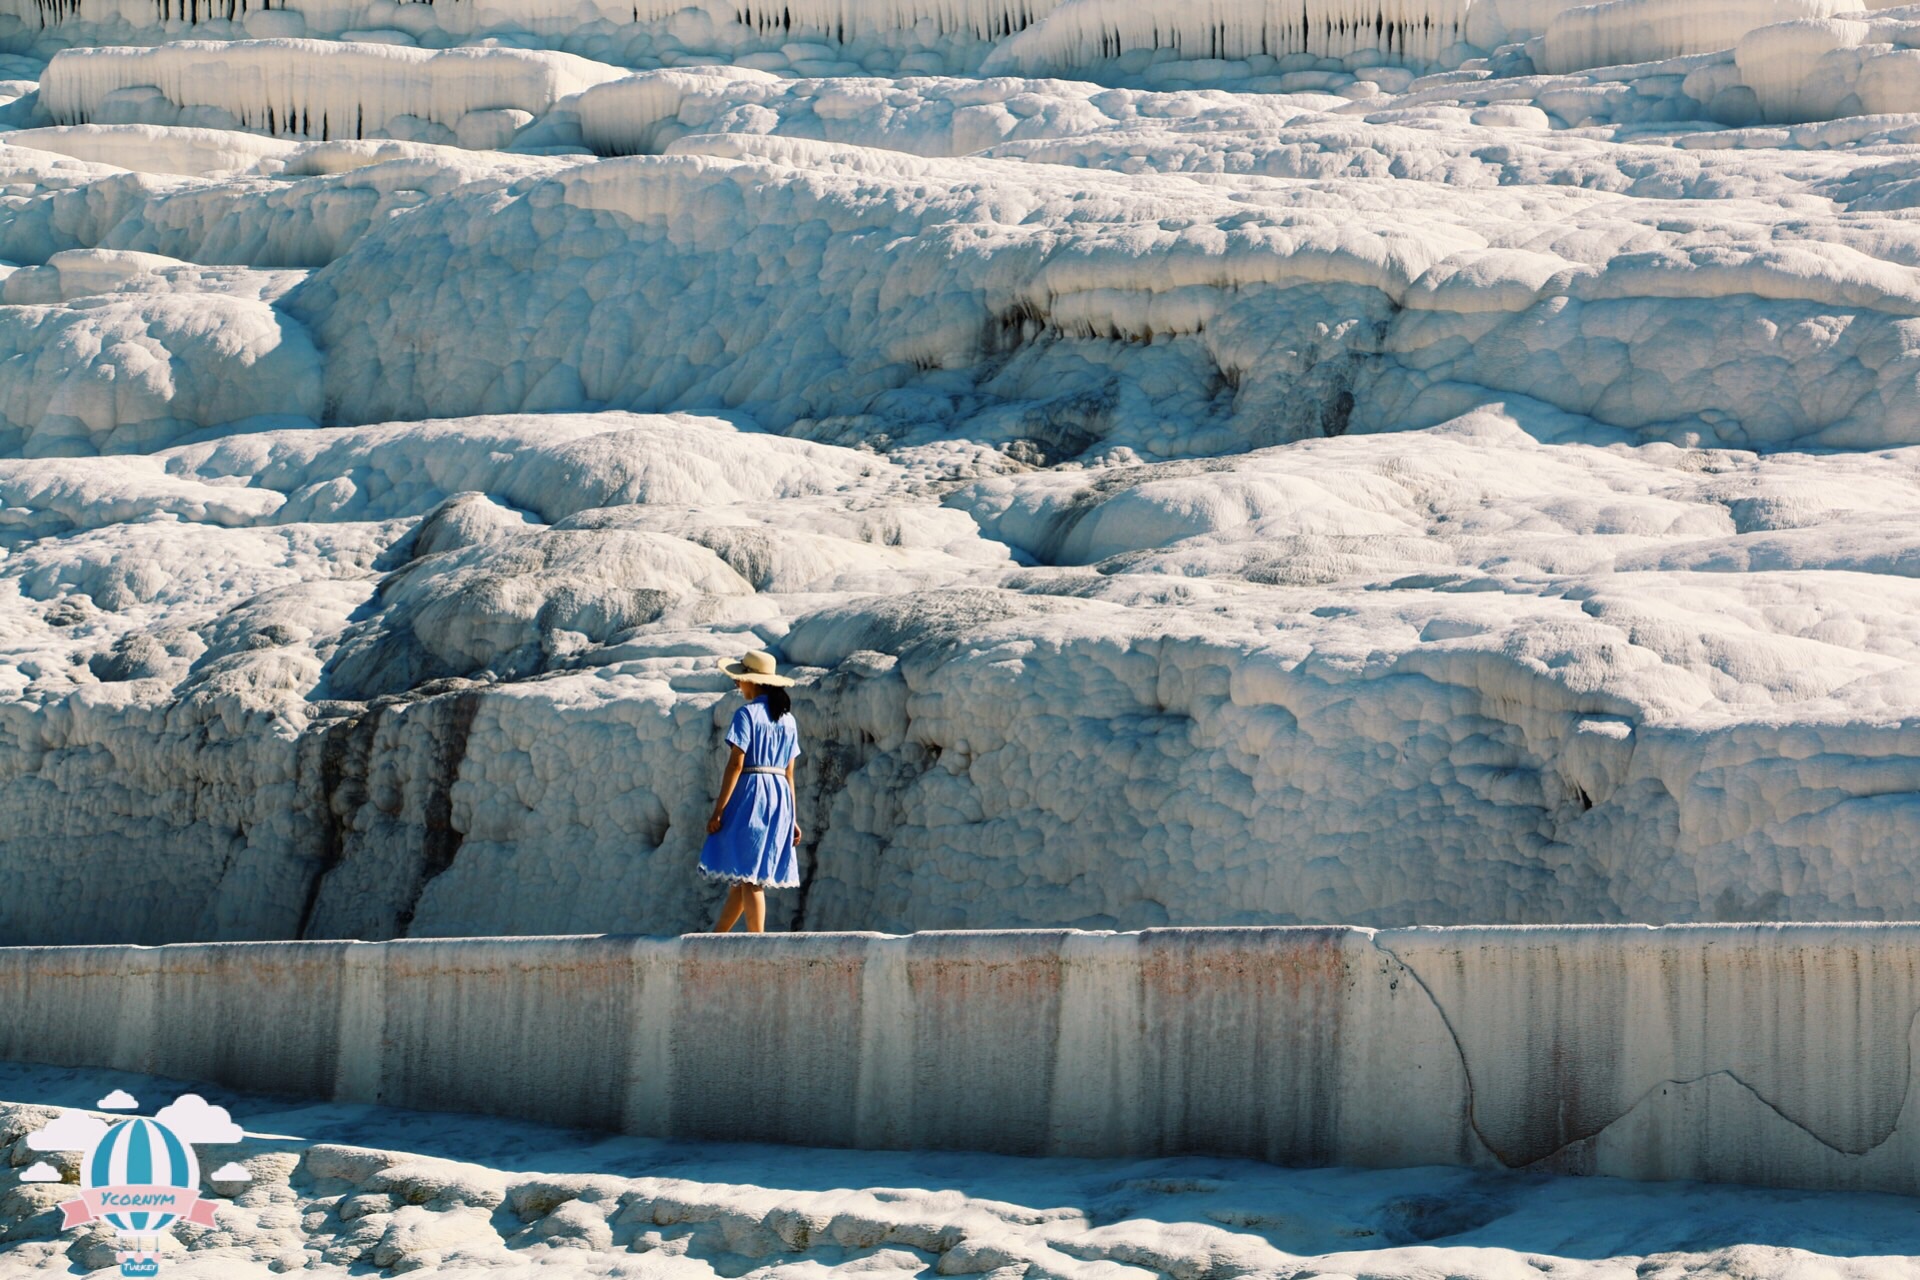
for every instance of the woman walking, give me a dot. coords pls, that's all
(755, 823)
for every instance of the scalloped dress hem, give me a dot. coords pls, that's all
(725, 877)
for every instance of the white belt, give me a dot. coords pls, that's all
(763, 768)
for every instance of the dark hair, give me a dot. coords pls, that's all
(778, 703)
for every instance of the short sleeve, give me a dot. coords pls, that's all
(740, 732)
(793, 740)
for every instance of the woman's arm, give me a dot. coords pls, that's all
(796, 803)
(736, 761)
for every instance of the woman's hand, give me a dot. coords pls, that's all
(736, 761)
(796, 833)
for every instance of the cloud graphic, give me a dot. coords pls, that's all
(231, 1172)
(69, 1131)
(194, 1119)
(118, 1100)
(40, 1171)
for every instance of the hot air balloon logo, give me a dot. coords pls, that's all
(139, 1178)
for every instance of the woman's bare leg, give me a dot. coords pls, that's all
(756, 903)
(730, 913)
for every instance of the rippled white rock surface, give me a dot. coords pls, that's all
(1417, 464)
(342, 1189)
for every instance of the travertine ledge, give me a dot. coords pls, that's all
(1774, 1054)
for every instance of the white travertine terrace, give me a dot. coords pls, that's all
(1772, 1055)
(1223, 473)
(322, 89)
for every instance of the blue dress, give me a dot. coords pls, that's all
(754, 844)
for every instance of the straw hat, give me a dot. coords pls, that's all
(755, 667)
